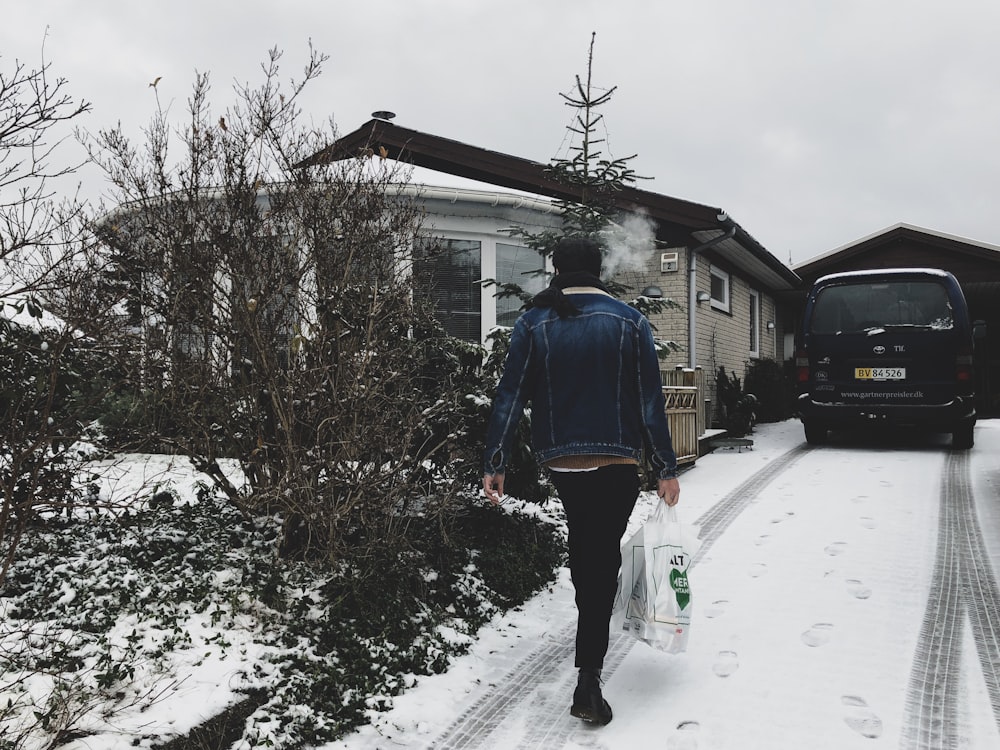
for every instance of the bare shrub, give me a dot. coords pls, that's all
(282, 347)
(52, 368)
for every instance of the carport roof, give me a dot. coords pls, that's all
(675, 217)
(835, 258)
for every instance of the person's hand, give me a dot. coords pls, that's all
(493, 487)
(669, 490)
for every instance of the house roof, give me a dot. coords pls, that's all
(677, 220)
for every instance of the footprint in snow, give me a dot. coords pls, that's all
(588, 738)
(716, 608)
(757, 570)
(685, 737)
(868, 523)
(857, 589)
(818, 634)
(779, 519)
(861, 718)
(837, 548)
(726, 663)
(762, 539)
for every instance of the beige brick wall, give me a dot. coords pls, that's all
(671, 325)
(722, 338)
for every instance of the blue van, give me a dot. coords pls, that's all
(888, 347)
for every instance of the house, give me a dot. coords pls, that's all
(976, 265)
(726, 283)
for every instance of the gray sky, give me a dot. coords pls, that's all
(812, 123)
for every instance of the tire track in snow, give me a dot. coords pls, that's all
(962, 583)
(473, 728)
(548, 721)
(979, 587)
(713, 522)
(929, 719)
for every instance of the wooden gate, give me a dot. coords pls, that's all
(685, 411)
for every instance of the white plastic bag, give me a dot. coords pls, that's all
(653, 602)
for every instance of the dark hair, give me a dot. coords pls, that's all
(577, 254)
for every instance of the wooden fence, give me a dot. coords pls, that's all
(683, 390)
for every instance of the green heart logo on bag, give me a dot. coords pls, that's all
(682, 591)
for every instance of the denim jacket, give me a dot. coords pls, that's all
(593, 382)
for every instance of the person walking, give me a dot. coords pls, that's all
(586, 363)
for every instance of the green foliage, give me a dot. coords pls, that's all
(321, 649)
(595, 179)
(38, 376)
(134, 420)
(773, 384)
(738, 408)
(49, 383)
(514, 554)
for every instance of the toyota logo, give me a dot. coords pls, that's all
(878, 349)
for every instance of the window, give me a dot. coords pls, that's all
(522, 266)
(720, 288)
(754, 323)
(451, 271)
(861, 306)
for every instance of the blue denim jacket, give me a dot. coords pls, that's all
(593, 382)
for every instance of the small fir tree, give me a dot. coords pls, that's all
(595, 180)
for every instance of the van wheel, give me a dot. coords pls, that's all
(962, 438)
(815, 433)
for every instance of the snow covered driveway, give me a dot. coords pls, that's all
(845, 597)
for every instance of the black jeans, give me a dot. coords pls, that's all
(598, 505)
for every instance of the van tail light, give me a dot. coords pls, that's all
(802, 366)
(963, 366)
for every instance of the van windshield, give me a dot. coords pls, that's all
(862, 307)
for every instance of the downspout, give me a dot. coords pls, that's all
(692, 291)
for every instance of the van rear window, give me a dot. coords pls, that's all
(860, 307)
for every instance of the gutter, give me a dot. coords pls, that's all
(692, 278)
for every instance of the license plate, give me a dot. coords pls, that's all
(880, 373)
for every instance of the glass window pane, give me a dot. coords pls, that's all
(720, 291)
(718, 288)
(451, 272)
(524, 267)
(861, 306)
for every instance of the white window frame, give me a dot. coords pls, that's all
(488, 270)
(723, 303)
(754, 323)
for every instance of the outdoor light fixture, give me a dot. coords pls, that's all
(703, 297)
(653, 292)
(770, 325)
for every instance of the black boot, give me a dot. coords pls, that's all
(588, 703)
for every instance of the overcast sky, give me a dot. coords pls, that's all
(812, 123)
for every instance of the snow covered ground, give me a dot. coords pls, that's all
(845, 597)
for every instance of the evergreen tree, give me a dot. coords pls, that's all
(595, 180)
